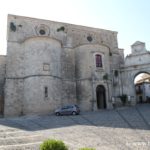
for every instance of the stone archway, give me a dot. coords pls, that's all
(101, 97)
(142, 87)
(135, 63)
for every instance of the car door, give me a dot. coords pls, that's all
(64, 110)
(70, 110)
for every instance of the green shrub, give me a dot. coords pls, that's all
(116, 73)
(105, 77)
(110, 54)
(61, 29)
(52, 144)
(12, 26)
(123, 98)
(87, 148)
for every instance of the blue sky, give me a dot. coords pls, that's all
(130, 18)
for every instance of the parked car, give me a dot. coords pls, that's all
(68, 110)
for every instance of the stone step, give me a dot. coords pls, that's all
(20, 140)
(26, 146)
(18, 133)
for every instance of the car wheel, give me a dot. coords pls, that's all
(74, 113)
(57, 114)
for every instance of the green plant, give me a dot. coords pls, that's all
(52, 144)
(110, 53)
(12, 26)
(61, 29)
(105, 77)
(116, 73)
(87, 148)
(123, 98)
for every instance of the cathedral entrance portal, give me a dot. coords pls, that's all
(101, 97)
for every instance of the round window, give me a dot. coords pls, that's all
(42, 32)
(89, 38)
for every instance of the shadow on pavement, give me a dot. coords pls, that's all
(137, 117)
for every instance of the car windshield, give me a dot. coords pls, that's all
(70, 106)
(65, 107)
(77, 106)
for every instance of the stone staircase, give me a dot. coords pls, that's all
(28, 146)
(20, 140)
(29, 132)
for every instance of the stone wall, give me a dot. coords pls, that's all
(13, 97)
(50, 64)
(69, 35)
(2, 81)
(88, 75)
(135, 63)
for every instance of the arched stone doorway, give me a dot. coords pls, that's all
(101, 97)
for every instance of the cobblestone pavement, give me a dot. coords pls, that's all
(120, 129)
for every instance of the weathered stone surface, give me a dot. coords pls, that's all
(2, 81)
(135, 63)
(57, 56)
(50, 64)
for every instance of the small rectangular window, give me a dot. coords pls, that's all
(98, 58)
(46, 91)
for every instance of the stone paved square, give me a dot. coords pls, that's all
(123, 128)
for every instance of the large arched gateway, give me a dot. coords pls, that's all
(136, 63)
(101, 97)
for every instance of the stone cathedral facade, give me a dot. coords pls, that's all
(50, 64)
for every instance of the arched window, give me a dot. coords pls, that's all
(98, 61)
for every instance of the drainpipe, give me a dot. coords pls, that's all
(121, 80)
(93, 100)
(108, 91)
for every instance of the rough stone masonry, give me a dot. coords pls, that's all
(50, 64)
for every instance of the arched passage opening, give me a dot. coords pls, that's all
(101, 97)
(142, 87)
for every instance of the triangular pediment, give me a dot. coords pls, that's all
(138, 47)
(137, 43)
